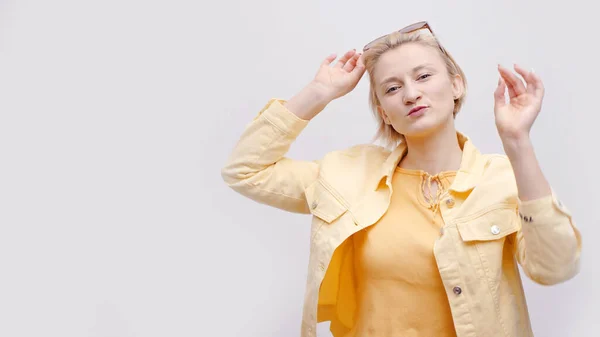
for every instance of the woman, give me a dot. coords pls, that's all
(423, 239)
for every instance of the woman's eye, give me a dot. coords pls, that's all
(424, 76)
(392, 89)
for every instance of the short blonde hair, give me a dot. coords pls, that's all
(386, 132)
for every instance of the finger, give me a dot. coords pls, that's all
(524, 73)
(535, 85)
(509, 87)
(360, 68)
(528, 77)
(342, 61)
(500, 94)
(512, 90)
(351, 63)
(327, 61)
(513, 83)
(538, 84)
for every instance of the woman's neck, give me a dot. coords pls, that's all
(434, 153)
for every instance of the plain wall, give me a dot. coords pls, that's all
(117, 116)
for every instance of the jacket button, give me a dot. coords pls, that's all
(495, 229)
(322, 266)
(450, 202)
(457, 290)
(314, 204)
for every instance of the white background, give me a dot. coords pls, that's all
(117, 116)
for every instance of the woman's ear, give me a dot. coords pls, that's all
(383, 115)
(458, 87)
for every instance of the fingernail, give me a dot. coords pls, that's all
(532, 71)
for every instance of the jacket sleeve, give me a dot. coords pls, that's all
(257, 167)
(548, 246)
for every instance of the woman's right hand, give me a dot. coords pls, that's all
(341, 78)
(331, 82)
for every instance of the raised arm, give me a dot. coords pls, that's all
(258, 167)
(548, 246)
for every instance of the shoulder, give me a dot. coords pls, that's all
(497, 171)
(496, 163)
(495, 160)
(353, 169)
(368, 153)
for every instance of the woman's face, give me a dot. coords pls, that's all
(415, 91)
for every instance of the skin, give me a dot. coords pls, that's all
(412, 76)
(431, 137)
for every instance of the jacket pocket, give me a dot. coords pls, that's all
(487, 241)
(323, 203)
(492, 225)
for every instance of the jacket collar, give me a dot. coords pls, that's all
(471, 166)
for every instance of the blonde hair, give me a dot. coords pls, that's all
(386, 132)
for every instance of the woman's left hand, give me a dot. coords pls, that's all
(515, 118)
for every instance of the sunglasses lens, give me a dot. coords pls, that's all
(374, 42)
(413, 27)
(407, 29)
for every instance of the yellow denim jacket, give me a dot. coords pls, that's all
(487, 230)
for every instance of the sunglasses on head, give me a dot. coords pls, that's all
(408, 29)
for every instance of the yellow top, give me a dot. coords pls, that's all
(399, 289)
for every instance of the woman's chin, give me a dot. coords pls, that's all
(419, 130)
(425, 126)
